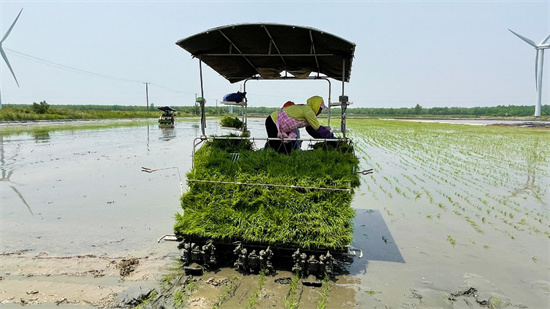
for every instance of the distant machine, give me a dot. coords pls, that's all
(167, 117)
(539, 61)
(4, 54)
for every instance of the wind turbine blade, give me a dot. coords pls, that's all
(11, 27)
(530, 42)
(8, 63)
(545, 40)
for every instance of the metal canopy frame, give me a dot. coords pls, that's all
(259, 51)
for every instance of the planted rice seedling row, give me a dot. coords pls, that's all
(480, 165)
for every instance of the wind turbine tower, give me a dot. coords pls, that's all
(4, 54)
(539, 65)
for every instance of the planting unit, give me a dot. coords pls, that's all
(255, 208)
(167, 117)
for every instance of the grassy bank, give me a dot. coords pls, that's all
(28, 113)
(42, 127)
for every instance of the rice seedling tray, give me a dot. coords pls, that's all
(260, 199)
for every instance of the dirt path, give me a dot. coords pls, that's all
(124, 282)
(29, 279)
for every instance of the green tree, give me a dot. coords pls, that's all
(418, 109)
(41, 108)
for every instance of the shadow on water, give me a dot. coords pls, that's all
(372, 236)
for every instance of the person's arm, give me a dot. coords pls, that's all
(321, 132)
(311, 118)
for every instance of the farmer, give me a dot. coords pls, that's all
(297, 144)
(281, 123)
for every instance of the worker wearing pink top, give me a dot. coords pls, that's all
(283, 122)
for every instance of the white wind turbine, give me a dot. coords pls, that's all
(539, 61)
(4, 54)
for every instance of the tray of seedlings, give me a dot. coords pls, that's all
(258, 209)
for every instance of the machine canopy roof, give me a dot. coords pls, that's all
(241, 51)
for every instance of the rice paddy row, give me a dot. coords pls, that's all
(492, 177)
(233, 293)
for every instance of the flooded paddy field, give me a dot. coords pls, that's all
(454, 216)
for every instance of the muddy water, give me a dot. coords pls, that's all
(69, 192)
(83, 192)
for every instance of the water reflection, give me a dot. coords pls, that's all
(8, 169)
(531, 156)
(168, 133)
(41, 136)
(531, 165)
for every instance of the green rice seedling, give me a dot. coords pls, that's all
(322, 303)
(473, 224)
(147, 301)
(254, 298)
(181, 294)
(166, 281)
(290, 301)
(227, 292)
(451, 240)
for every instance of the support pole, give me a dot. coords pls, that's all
(202, 102)
(147, 95)
(343, 98)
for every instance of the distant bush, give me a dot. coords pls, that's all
(42, 108)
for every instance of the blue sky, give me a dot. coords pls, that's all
(432, 53)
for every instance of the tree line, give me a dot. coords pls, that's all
(417, 111)
(495, 111)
